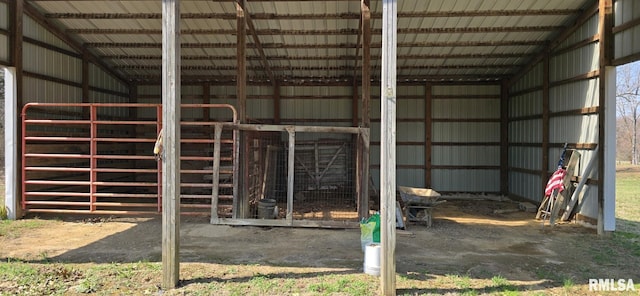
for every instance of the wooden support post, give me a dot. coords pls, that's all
(171, 139)
(366, 64)
(216, 173)
(544, 174)
(276, 102)
(388, 149)
(504, 138)
(13, 108)
(428, 128)
(363, 152)
(606, 121)
(290, 173)
(241, 202)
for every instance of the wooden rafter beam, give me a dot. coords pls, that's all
(319, 32)
(316, 68)
(318, 16)
(331, 58)
(342, 80)
(258, 44)
(326, 45)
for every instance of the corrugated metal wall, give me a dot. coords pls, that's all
(53, 73)
(627, 41)
(465, 137)
(572, 116)
(4, 39)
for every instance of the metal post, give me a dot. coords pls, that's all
(388, 149)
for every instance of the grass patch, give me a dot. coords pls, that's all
(627, 192)
(11, 228)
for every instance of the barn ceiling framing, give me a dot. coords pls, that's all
(313, 41)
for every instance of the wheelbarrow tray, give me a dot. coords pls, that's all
(419, 196)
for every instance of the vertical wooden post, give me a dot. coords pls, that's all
(241, 60)
(290, 172)
(606, 121)
(363, 155)
(428, 128)
(504, 137)
(388, 149)
(276, 102)
(13, 108)
(171, 149)
(544, 174)
(216, 173)
(241, 203)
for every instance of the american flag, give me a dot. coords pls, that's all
(555, 182)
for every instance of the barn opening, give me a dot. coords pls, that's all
(488, 94)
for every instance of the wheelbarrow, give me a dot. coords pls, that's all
(419, 203)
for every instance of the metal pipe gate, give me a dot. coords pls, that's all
(97, 158)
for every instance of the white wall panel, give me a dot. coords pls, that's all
(33, 30)
(573, 96)
(574, 129)
(466, 108)
(457, 90)
(410, 177)
(42, 91)
(4, 20)
(526, 104)
(101, 79)
(51, 63)
(466, 155)
(531, 79)
(466, 180)
(627, 42)
(526, 185)
(525, 157)
(574, 63)
(4, 48)
(464, 132)
(315, 109)
(525, 131)
(410, 155)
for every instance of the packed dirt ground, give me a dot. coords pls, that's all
(468, 238)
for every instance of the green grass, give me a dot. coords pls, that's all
(628, 198)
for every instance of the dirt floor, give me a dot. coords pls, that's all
(467, 238)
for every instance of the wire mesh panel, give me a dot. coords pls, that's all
(323, 180)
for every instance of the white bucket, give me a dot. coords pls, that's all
(372, 259)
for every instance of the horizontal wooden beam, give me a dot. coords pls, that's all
(465, 30)
(315, 16)
(320, 68)
(322, 45)
(329, 58)
(315, 80)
